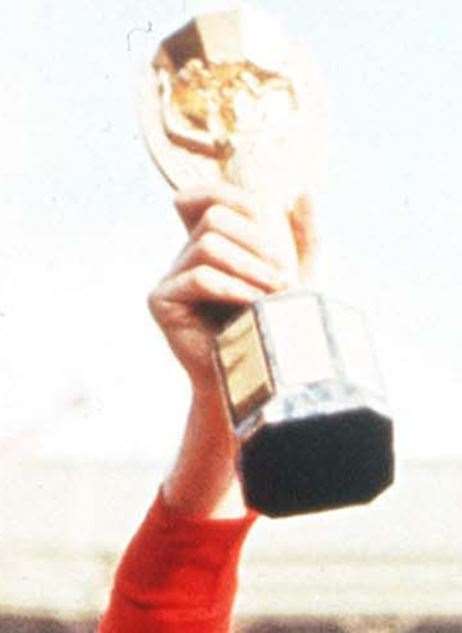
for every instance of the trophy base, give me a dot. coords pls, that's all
(320, 462)
(307, 404)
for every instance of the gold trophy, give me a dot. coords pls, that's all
(228, 98)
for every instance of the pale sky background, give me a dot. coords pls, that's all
(86, 224)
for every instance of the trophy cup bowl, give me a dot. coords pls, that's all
(228, 99)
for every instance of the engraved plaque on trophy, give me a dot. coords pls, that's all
(227, 98)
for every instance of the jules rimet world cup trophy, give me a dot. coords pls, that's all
(228, 98)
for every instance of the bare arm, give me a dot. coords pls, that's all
(179, 572)
(226, 262)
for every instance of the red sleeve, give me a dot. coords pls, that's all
(177, 575)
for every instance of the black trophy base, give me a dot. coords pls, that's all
(320, 462)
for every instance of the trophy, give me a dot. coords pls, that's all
(228, 99)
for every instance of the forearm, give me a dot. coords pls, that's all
(179, 572)
(203, 481)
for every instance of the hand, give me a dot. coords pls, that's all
(226, 264)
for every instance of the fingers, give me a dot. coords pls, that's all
(228, 210)
(203, 284)
(227, 222)
(192, 203)
(224, 261)
(226, 258)
(217, 251)
(244, 231)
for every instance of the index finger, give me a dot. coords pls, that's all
(191, 204)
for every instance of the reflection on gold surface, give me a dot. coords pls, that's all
(204, 104)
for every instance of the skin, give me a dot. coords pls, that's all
(225, 265)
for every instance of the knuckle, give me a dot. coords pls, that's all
(201, 277)
(238, 195)
(250, 204)
(156, 301)
(153, 303)
(206, 245)
(213, 218)
(234, 197)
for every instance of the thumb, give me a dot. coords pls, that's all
(301, 221)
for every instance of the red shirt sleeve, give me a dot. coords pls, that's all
(177, 574)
